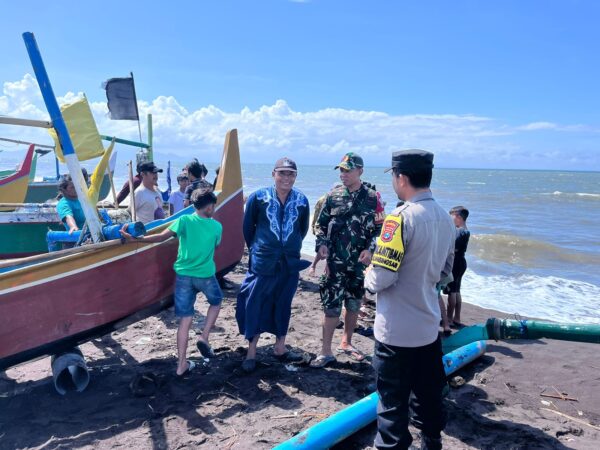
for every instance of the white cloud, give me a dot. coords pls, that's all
(534, 126)
(311, 137)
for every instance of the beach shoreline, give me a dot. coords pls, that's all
(218, 406)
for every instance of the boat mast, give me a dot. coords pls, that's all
(150, 150)
(89, 210)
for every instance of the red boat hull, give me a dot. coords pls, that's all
(51, 305)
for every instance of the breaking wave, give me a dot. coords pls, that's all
(572, 195)
(549, 298)
(507, 248)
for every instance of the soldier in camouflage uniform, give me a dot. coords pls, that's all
(346, 230)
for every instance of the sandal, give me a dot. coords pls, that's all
(351, 352)
(249, 365)
(191, 366)
(321, 361)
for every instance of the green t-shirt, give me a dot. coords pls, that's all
(198, 238)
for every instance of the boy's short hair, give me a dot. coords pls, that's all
(460, 211)
(202, 197)
(182, 177)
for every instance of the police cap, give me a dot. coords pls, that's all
(411, 160)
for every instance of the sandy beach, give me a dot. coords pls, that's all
(217, 406)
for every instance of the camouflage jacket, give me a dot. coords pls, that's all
(347, 224)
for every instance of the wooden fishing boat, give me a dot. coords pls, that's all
(52, 302)
(13, 188)
(27, 228)
(27, 225)
(42, 191)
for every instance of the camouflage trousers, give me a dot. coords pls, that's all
(343, 287)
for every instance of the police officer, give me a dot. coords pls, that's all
(346, 230)
(414, 252)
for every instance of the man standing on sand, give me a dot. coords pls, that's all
(275, 223)
(415, 250)
(346, 230)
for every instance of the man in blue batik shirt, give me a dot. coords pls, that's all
(275, 223)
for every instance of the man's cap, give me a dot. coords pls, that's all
(411, 160)
(149, 167)
(285, 163)
(350, 161)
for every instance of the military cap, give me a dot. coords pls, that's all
(285, 163)
(411, 160)
(350, 161)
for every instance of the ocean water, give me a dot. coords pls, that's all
(535, 235)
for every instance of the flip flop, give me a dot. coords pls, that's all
(249, 365)
(352, 353)
(321, 361)
(191, 366)
(205, 349)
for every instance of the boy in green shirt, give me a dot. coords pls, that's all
(199, 235)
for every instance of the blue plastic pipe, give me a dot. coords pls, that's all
(110, 232)
(342, 424)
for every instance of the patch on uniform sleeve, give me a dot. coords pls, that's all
(390, 244)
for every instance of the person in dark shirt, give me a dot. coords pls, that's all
(196, 173)
(459, 215)
(124, 192)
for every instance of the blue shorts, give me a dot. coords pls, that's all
(186, 289)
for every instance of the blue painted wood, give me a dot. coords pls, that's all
(58, 123)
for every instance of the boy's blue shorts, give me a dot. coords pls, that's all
(186, 289)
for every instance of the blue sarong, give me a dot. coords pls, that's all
(264, 304)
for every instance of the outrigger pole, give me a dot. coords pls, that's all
(58, 123)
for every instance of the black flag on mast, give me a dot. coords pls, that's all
(122, 102)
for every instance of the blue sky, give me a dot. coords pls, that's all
(508, 84)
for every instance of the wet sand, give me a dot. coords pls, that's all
(218, 406)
